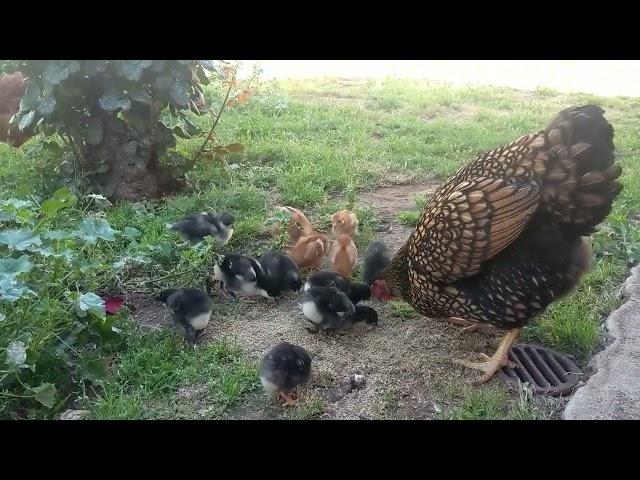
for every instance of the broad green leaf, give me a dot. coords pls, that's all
(57, 234)
(158, 65)
(95, 131)
(26, 120)
(19, 239)
(93, 67)
(45, 394)
(58, 70)
(114, 100)
(131, 232)
(50, 252)
(16, 354)
(3, 317)
(15, 266)
(90, 302)
(132, 69)
(12, 289)
(15, 203)
(168, 120)
(93, 228)
(139, 94)
(190, 127)
(62, 198)
(139, 208)
(185, 62)
(179, 92)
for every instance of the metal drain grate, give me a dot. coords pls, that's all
(547, 371)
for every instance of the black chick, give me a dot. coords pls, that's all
(327, 308)
(284, 368)
(241, 274)
(356, 292)
(191, 309)
(194, 228)
(280, 273)
(376, 259)
(362, 314)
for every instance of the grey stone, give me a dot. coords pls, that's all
(613, 392)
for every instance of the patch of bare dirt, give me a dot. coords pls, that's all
(407, 364)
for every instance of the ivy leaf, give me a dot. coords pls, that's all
(19, 239)
(207, 64)
(92, 303)
(131, 233)
(132, 69)
(13, 267)
(139, 94)
(93, 228)
(26, 120)
(179, 92)
(46, 106)
(95, 131)
(93, 67)
(58, 70)
(113, 100)
(31, 98)
(16, 355)
(45, 394)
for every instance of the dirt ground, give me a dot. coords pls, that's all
(407, 363)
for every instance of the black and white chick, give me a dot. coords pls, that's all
(194, 228)
(327, 308)
(280, 273)
(241, 274)
(357, 292)
(284, 368)
(191, 309)
(376, 259)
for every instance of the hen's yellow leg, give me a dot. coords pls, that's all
(495, 363)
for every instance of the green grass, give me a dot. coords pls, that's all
(494, 403)
(306, 141)
(155, 367)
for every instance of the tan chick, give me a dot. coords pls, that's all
(344, 222)
(297, 226)
(343, 255)
(309, 250)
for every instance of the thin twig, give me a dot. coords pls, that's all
(217, 119)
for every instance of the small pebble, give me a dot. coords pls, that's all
(357, 381)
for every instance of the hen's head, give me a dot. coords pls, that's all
(382, 290)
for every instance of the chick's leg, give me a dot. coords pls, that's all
(290, 399)
(495, 363)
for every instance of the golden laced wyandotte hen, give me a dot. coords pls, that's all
(510, 232)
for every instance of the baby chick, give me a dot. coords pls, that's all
(241, 274)
(308, 251)
(280, 273)
(326, 307)
(191, 309)
(356, 292)
(376, 259)
(194, 228)
(284, 368)
(344, 222)
(343, 255)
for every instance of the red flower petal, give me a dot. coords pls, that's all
(113, 304)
